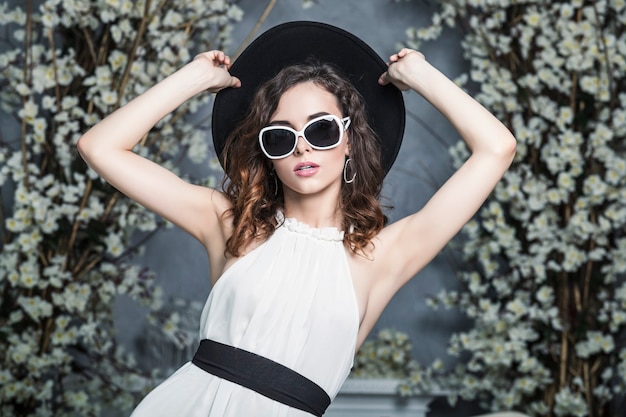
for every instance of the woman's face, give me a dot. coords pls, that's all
(309, 171)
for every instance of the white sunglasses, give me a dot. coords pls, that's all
(324, 132)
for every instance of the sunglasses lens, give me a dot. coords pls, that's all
(278, 142)
(322, 133)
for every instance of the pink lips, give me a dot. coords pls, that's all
(306, 169)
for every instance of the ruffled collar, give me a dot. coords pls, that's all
(322, 233)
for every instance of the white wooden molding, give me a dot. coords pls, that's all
(377, 398)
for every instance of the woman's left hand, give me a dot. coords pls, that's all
(402, 67)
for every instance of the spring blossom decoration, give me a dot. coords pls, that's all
(66, 236)
(545, 280)
(387, 356)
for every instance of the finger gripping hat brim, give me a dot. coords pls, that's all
(294, 43)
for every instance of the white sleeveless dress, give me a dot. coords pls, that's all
(290, 300)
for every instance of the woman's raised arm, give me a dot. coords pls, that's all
(107, 148)
(408, 245)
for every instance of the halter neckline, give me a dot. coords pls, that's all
(323, 233)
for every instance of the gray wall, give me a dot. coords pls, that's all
(422, 165)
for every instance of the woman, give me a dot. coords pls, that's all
(302, 264)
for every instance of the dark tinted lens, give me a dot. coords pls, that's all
(322, 133)
(278, 142)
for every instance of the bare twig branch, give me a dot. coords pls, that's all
(72, 238)
(27, 75)
(147, 16)
(255, 29)
(55, 67)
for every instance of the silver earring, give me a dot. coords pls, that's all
(275, 184)
(345, 173)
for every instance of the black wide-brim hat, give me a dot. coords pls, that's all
(294, 43)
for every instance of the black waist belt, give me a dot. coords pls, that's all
(262, 375)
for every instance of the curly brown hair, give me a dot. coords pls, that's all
(253, 188)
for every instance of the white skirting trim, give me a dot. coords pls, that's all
(377, 398)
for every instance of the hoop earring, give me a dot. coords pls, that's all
(275, 183)
(345, 173)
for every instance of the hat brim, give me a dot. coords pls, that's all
(295, 42)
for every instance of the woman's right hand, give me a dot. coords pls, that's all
(214, 71)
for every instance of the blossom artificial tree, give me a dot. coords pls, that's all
(67, 237)
(546, 256)
(387, 356)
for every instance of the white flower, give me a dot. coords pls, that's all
(77, 399)
(596, 342)
(573, 258)
(569, 403)
(522, 334)
(618, 318)
(48, 103)
(73, 298)
(601, 135)
(60, 337)
(103, 76)
(172, 18)
(5, 376)
(171, 325)
(117, 60)
(107, 16)
(29, 111)
(235, 13)
(594, 185)
(109, 97)
(20, 352)
(545, 295)
(517, 307)
(566, 182)
(566, 11)
(35, 307)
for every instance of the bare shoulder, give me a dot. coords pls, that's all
(218, 232)
(219, 200)
(222, 221)
(383, 270)
(391, 248)
(376, 263)
(373, 283)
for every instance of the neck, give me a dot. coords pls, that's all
(314, 210)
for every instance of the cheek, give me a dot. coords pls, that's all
(339, 153)
(282, 170)
(338, 160)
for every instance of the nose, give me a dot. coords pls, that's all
(302, 146)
